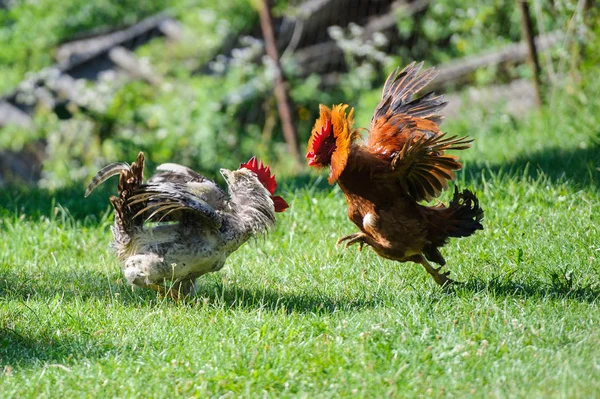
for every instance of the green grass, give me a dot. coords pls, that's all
(294, 316)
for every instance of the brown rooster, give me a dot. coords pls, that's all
(194, 225)
(403, 162)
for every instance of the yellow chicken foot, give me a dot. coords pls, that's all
(440, 277)
(359, 238)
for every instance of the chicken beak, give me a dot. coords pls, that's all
(311, 158)
(227, 174)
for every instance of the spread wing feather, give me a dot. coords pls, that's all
(162, 199)
(197, 184)
(405, 133)
(398, 91)
(423, 167)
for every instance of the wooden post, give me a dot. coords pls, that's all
(283, 106)
(529, 38)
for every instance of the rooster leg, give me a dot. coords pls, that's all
(157, 287)
(178, 291)
(182, 289)
(360, 238)
(440, 277)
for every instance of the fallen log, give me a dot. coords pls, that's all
(326, 56)
(86, 58)
(74, 54)
(457, 72)
(515, 98)
(127, 61)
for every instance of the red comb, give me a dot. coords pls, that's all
(263, 172)
(326, 131)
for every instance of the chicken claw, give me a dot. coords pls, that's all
(440, 277)
(352, 239)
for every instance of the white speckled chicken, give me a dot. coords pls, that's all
(180, 225)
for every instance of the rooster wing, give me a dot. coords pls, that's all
(197, 184)
(404, 133)
(165, 199)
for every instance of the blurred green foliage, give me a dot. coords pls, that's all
(31, 29)
(454, 28)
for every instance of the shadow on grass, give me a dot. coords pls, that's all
(40, 295)
(110, 286)
(16, 349)
(234, 297)
(559, 288)
(36, 202)
(86, 285)
(579, 167)
(47, 347)
(71, 285)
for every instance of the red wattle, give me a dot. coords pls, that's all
(279, 203)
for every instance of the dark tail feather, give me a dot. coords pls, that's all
(131, 179)
(464, 215)
(460, 219)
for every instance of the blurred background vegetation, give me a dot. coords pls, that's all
(200, 91)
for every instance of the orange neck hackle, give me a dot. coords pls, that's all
(331, 139)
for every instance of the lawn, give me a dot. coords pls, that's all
(291, 315)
